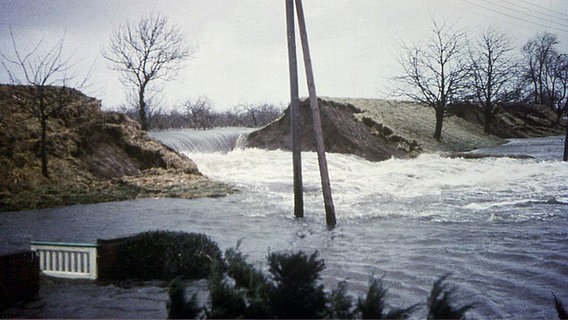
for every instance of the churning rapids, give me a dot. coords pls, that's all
(498, 225)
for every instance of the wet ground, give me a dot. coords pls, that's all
(83, 299)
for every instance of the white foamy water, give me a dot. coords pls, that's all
(443, 188)
(499, 225)
(212, 140)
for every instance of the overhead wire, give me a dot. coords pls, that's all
(559, 13)
(511, 15)
(514, 9)
(546, 15)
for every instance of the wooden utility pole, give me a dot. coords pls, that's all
(294, 112)
(318, 135)
(565, 158)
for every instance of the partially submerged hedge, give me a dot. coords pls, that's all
(293, 290)
(164, 255)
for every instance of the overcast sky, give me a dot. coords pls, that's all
(241, 52)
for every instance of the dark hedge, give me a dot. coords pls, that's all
(165, 255)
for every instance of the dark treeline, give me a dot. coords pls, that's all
(544, 73)
(200, 114)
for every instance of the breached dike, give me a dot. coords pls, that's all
(378, 130)
(94, 156)
(345, 130)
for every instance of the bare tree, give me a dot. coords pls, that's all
(562, 100)
(562, 103)
(267, 113)
(46, 77)
(555, 83)
(147, 51)
(538, 55)
(491, 72)
(256, 115)
(200, 113)
(435, 73)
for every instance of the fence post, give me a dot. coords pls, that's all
(294, 112)
(318, 135)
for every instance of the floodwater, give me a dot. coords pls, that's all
(498, 225)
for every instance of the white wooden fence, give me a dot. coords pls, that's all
(67, 260)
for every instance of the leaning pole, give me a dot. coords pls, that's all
(565, 157)
(318, 135)
(294, 112)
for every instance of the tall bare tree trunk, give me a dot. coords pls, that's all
(142, 108)
(44, 169)
(488, 116)
(440, 111)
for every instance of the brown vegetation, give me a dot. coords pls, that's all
(343, 133)
(94, 156)
(380, 129)
(513, 120)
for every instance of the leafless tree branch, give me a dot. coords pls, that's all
(491, 71)
(46, 78)
(434, 73)
(144, 52)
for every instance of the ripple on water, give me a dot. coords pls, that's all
(486, 221)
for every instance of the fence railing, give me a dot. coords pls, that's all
(67, 260)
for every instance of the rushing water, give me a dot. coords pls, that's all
(205, 141)
(499, 225)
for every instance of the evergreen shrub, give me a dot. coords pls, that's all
(165, 255)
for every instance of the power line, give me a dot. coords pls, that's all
(515, 10)
(541, 12)
(513, 16)
(544, 9)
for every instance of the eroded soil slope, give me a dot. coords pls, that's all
(378, 129)
(93, 156)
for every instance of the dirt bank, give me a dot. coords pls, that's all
(378, 129)
(514, 120)
(343, 133)
(93, 156)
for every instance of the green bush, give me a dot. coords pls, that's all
(178, 306)
(227, 301)
(293, 290)
(374, 306)
(165, 255)
(340, 305)
(296, 292)
(441, 302)
(252, 282)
